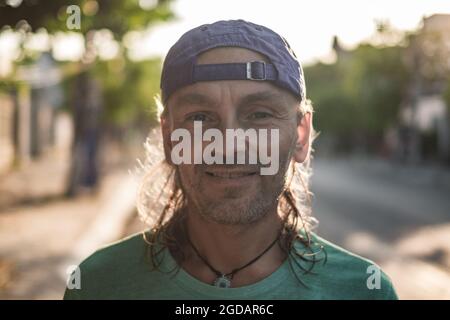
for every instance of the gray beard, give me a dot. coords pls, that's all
(239, 211)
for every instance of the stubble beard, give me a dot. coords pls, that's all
(233, 208)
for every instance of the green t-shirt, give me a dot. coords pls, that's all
(122, 271)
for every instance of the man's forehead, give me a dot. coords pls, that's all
(209, 94)
(230, 55)
(201, 97)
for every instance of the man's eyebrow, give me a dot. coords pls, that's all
(194, 99)
(262, 96)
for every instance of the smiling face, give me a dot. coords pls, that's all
(235, 194)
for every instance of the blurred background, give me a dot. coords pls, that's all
(77, 82)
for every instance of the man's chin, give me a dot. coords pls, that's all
(235, 211)
(225, 195)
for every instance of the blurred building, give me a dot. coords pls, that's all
(424, 130)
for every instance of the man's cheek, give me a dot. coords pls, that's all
(187, 174)
(287, 147)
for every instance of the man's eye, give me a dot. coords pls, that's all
(197, 117)
(259, 115)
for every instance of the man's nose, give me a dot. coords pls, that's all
(235, 141)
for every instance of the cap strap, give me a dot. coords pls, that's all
(255, 70)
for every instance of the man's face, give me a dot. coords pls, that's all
(236, 194)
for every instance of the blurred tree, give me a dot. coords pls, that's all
(124, 92)
(334, 109)
(128, 90)
(447, 97)
(377, 80)
(358, 97)
(117, 16)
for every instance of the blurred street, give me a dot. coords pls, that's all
(398, 216)
(42, 233)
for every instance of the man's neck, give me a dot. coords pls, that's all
(227, 247)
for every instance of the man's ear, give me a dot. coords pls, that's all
(303, 137)
(167, 143)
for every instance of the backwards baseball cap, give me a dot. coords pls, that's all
(180, 67)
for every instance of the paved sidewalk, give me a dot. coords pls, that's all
(37, 182)
(38, 243)
(42, 233)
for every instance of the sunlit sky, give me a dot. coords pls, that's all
(308, 25)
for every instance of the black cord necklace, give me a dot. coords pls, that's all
(223, 280)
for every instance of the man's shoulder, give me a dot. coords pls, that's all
(110, 268)
(125, 251)
(340, 257)
(349, 272)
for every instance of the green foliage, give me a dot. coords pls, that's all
(129, 89)
(360, 94)
(377, 80)
(325, 87)
(117, 16)
(447, 96)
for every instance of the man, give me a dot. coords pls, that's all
(227, 230)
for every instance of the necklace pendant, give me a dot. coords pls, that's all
(222, 282)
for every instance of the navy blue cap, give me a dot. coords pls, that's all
(180, 67)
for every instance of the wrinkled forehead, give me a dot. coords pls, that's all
(230, 55)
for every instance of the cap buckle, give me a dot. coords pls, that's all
(251, 70)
